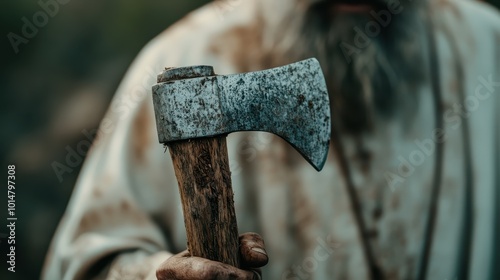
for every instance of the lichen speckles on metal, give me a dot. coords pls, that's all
(290, 101)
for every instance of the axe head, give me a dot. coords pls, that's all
(290, 101)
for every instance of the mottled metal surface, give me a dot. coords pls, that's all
(290, 101)
(180, 73)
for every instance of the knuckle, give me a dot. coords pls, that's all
(252, 236)
(252, 239)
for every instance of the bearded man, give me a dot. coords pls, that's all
(411, 187)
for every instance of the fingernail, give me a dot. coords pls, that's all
(259, 250)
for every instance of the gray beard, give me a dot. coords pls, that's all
(369, 73)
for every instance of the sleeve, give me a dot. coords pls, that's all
(109, 227)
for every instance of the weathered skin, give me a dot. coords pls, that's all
(126, 201)
(182, 266)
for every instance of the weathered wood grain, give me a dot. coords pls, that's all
(202, 170)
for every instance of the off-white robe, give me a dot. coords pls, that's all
(125, 215)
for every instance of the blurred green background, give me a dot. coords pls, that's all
(59, 83)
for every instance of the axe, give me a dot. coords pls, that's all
(196, 109)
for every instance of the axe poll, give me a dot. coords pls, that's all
(196, 109)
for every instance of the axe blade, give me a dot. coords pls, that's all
(290, 101)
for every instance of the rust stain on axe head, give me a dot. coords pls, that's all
(290, 101)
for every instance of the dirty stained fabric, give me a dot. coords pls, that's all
(125, 217)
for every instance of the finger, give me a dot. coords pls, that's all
(195, 268)
(252, 250)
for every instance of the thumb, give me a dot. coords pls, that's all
(252, 250)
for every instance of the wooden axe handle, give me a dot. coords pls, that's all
(202, 170)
